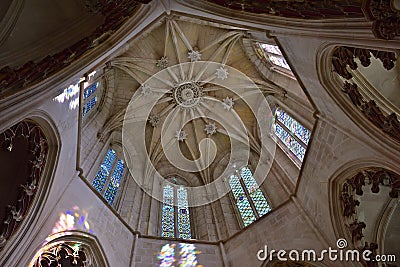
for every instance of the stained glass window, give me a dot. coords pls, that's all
(273, 54)
(114, 183)
(175, 218)
(71, 93)
(90, 90)
(256, 195)
(292, 134)
(89, 105)
(108, 178)
(168, 212)
(249, 198)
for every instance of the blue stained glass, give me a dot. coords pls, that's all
(89, 106)
(90, 90)
(294, 126)
(115, 181)
(168, 212)
(290, 142)
(104, 171)
(183, 214)
(242, 202)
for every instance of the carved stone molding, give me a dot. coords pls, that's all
(115, 12)
(344, 57)
(36, 150)
(373, 178)
(62, 255)
(385, 17)
(356, 229)
(297, 9)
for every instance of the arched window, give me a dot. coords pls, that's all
(108, 178)
(89, 98)
(71, 248)
(24, 153)
(293, 137)
(249, 198)
(272, 54)
(175, 217)
(90, 94)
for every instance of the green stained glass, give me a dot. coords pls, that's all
(260, 202)
(183, 214)
(242, 203)
(168, 212)
(248, 179)
(256, 195)
(175, 220)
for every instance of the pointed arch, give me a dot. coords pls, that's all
(82, 248)
(35, 141)
(250, 200)
(175, 212)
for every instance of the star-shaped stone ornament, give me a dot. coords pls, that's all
(228, 103)
(145, 89)
(181, 135)
(210, 128)
(162, 63)
(222, 73)
(154, 120)
(194, 55)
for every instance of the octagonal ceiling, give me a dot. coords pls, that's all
(196, 82)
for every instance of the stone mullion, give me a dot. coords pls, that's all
(248, 195)
(121, 192)
(103, 191)
(291, 133)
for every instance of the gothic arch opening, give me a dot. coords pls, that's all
(363, 82)
(29, 152)
(364, 202)
(67, 249)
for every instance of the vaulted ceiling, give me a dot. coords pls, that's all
(189, 102)
(39, 38)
